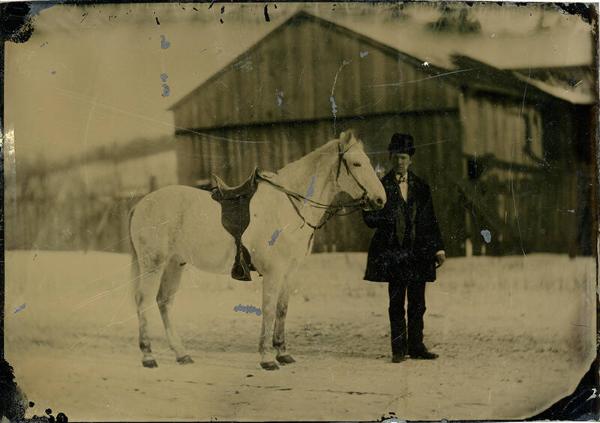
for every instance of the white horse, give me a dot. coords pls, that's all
(180, 225)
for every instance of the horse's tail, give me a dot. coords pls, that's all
(135, 266)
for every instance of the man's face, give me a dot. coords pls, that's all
(400, 162)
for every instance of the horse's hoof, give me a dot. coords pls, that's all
(285, 359)
(269, 365)
(186, 359)
(150, 363)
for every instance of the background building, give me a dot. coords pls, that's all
(506, 150)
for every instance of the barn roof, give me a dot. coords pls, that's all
(573, 84)
(557, 62)
(417, 44)
(558, 47)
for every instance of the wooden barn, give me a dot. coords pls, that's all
(508, 159)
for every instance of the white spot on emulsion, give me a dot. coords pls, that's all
(333, 106)
(166, 91)
(164, 43)
(274, 236)
(487, 235)
(425, 64)
(279, 97)
(363, 54)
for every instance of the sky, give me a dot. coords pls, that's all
(98, 75)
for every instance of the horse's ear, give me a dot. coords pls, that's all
(345, 137)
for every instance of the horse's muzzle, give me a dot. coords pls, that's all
(376, 203)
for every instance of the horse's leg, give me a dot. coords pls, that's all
(169, 284)
(271, 283)
(147, 280)
(279, 333)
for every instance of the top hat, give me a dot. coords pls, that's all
(402, 144)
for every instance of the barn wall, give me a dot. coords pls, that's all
(232, 154)
(569, 141)
(310, 70)
(501, 127)
(528, 201)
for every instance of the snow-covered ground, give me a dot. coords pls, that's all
(514, 334)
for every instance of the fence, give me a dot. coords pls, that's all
(87, 222)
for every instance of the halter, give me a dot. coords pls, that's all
(342, 160)
(330, 209)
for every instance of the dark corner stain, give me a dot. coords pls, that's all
(584, 401)
(583, 10)
(12, 400)
(267, 18)
(15, 22)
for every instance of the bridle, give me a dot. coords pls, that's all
(330, 209)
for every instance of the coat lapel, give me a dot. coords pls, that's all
(397, 204)
(390, 185)
(411, 188)
(411, 204)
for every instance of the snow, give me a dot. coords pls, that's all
(514, 334)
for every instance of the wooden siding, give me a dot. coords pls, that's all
(501, 127)
(528, 202)
(294, 73)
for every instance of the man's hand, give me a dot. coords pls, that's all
(440, 258)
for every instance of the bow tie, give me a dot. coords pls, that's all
(401, 178)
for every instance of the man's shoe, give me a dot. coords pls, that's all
(423, 355)
(398, 358)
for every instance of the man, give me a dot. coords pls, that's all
(405, 249)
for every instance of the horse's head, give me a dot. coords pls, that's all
(354, 174)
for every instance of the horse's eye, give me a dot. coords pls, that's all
(356, 164)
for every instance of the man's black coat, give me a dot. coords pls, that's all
(407, 234)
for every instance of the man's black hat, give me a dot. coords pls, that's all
(402, 144)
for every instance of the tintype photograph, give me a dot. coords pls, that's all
(300, 211)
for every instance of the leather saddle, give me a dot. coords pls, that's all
(235, 218)
(226, 192)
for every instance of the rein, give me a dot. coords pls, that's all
(330, 209)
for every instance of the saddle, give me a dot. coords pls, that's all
(235, 218)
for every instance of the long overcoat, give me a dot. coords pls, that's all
(407, 234)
